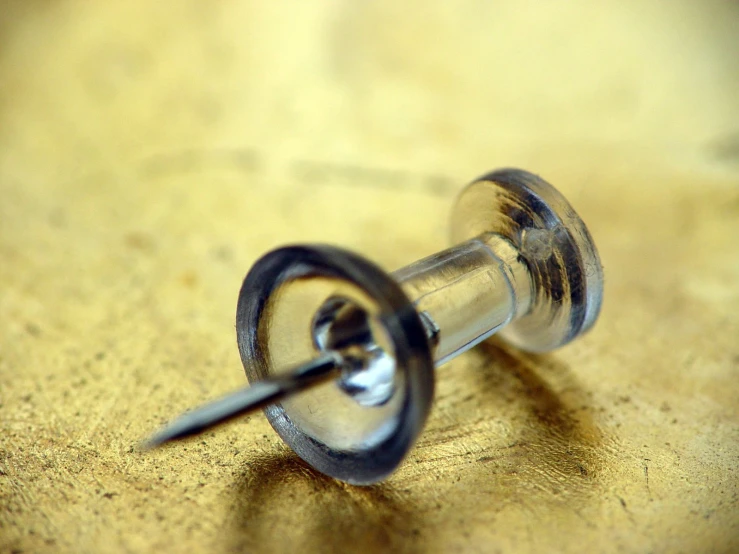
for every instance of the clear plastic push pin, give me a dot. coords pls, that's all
(341, 354)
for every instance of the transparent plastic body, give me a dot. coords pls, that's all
(524, 265)
(463, 294)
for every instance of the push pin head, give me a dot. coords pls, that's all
(526, 218)
(523, 265)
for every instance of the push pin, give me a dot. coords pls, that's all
(341, 354)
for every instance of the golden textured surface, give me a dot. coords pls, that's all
(151, 151)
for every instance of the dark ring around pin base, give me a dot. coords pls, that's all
(402, 324)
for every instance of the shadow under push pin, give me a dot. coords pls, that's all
(341, 354)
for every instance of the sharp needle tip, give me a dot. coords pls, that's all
(151, 443)
(179, 428)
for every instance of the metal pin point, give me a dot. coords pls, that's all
(524, 266)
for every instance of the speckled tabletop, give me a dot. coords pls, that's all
(151, 151)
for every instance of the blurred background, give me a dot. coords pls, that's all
(151, 151)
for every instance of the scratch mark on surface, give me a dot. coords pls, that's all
(646, 476)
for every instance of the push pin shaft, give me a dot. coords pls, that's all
(524, 266)
(249, 399)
